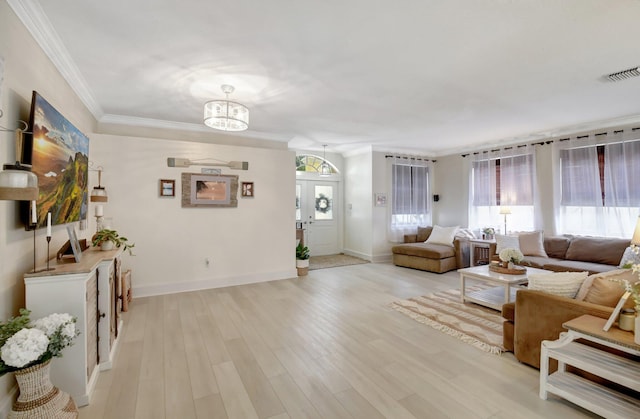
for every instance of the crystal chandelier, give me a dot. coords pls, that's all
(226, 115)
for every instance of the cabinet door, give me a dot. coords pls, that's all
(115, 287)
(92, 323)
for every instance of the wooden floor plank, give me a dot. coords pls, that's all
(210, 407)
(326, 345)
(265, 401)
(234, 396)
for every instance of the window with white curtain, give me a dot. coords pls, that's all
(598, 190)
(410, 196)
(504, 178)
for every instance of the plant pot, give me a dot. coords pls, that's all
(107, 245)
(303, 266)
(38, 398)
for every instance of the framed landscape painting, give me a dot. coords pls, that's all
(202, 190)
(60, 160)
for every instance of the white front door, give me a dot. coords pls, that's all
(317, 210)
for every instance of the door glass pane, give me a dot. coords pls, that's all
(298, 193)
(324, 202)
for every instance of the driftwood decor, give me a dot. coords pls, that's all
(201, 190)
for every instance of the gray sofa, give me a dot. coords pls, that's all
(577, 253)
(415, 253)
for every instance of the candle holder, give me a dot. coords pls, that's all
(48, 243)
(33, 227)
(48, 268)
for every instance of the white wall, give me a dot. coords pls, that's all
(381, 177)
(251, 243)
(358, 193)
(451, 182)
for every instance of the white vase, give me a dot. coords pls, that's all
(510, 265)
(106, 245)
(636, 331)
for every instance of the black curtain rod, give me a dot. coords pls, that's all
(549, 141)
(409, 158)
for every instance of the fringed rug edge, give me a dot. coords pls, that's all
(483, 346)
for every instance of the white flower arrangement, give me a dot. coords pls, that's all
(511, 255)
(489, 230)
(24, 344)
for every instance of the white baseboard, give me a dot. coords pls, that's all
(176, 287)
(385, 258)
(360, 255)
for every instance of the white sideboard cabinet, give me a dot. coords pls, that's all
(87, 290)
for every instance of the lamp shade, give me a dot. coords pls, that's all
(99, 194)
(636, 234)
(505, 210)
(18, 183)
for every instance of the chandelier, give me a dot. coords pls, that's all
(226, 115)
(325, 169)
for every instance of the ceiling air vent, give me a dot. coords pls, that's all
(623, 75)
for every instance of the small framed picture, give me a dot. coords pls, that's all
(247, 190)
(381, 199)
(616, 311)
(167, 187)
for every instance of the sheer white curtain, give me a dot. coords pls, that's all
(518, 188)
(504, 178)
(598, 192)
(410, 196)
(483, 199)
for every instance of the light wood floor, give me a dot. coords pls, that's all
(325, 346)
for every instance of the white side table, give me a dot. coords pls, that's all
(588, 394)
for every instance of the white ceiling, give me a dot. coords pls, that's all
(429, 76)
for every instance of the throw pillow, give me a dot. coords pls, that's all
(556, 246)
(605, 289)
(442, 235)
(506, 242)
(597, 249)
(629, 258)
(531, 244)
(565, 284)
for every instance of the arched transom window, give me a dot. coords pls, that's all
(310, 163)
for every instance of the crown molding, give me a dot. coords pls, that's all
(135, 121)
(37, 23)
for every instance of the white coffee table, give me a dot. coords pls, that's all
(493, 297)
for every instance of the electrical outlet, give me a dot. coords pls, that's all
(207, 262)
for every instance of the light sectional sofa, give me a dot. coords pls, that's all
(438, 258)
(577, 254)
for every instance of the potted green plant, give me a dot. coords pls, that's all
(108, 239)
(302, 259)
